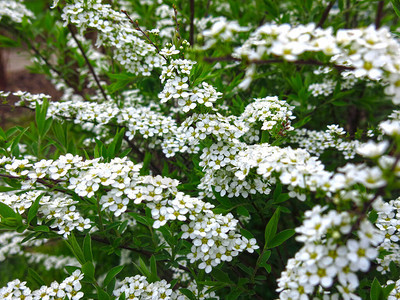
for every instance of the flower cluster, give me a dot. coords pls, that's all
(114, 30)
(213, 236)
(389, 223)
(146, 121)
(15, 10)
(11, 244)
(175, 77)
(228, 168)
(221, 30)
(50, 262)
(57, 206)
(69, 289)
(372, 53)
(327, 87)
(329, 254)
(139, 288)
(316, 142)
(395, 293)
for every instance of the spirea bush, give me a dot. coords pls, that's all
(203, 149)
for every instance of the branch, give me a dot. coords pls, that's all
(137, 27)
(50, 183)
(276, 60)
(87, 62)
(44, 59)
(325, 14)
(379, 14)
(176, 21)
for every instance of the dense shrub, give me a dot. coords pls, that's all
(202, 150)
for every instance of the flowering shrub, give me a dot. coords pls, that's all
(203, 150)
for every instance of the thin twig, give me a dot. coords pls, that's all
(276, 60)
(176, 22)
(137, 27)
(325, 13)
(347, 14)
(379, 14)
(87, 62)
(143, 252)
(191, 30)
(207, 8)
(44, 59)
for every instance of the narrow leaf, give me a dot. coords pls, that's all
(270, 229)
(281, 237)
(87, 248)
(111, 274)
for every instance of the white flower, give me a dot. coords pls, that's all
(372, 149)
(360, 254)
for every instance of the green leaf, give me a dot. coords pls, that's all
(34, 208)
(188, 293)
(143, 268)
(42, 228)
(281, 237)
(6, 211)
(6, 188)
(373, 216)
(43, 125)
(146, 164)
(277, 191)
(270, 229)
(115, 145)
(396, 7)
(87, 248)
(111, 274)
(376, 292)
(281, 198)
(88, 270)
(247, 234)
(386, 290)
(241, 210)
(153, 268)
(394, 270)
(264, 258)
(7, 42)
(75, 248)
(101, 294)
(71, 269)
(122, 226)
(36, 277)
(223, 200)
(220, 276)
(141, 219)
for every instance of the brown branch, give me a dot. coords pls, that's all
(276, 60)
(143, 252)
(87, 62)
(347, 14)
(191, 30)
(379, 14)
(325, 13)
(176, 21)
(44, 59)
